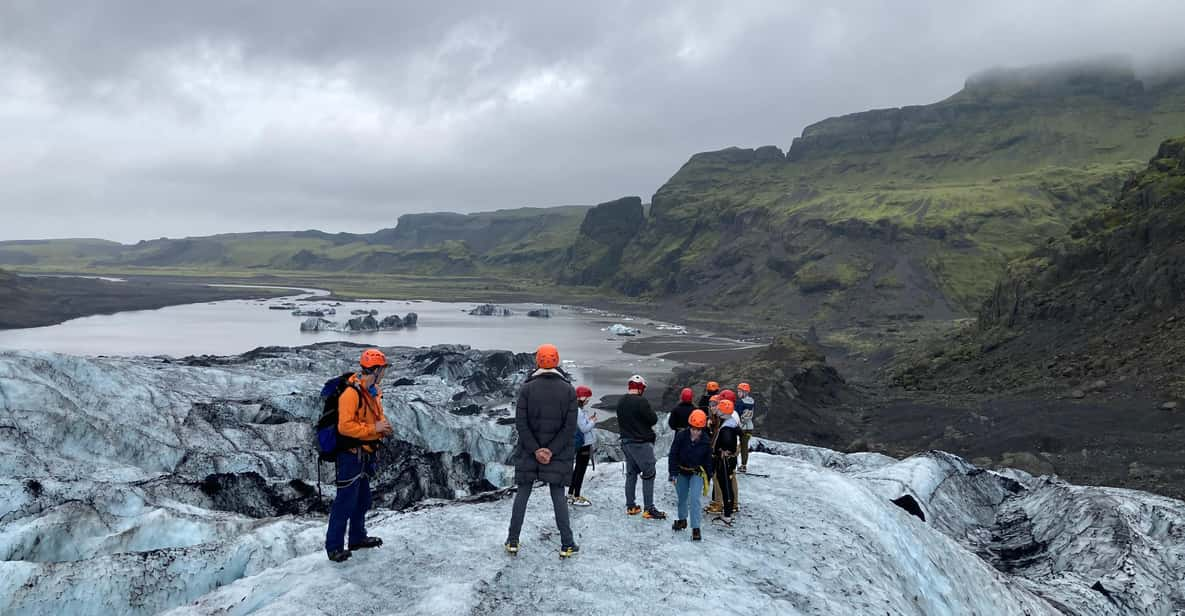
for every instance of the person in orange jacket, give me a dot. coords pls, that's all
(360, 426)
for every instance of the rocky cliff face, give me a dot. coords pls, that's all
(595, 257)
(482, 232)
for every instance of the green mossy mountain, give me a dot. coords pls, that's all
(525, 241)
(909, 213)
(1101, 309)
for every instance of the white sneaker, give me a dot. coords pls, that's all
(580, 501)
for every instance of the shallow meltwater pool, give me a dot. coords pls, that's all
(588, 349)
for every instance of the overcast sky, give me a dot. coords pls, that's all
(139, 119)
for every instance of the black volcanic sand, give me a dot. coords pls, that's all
(1111, 440)
(692, 349)
(41, 301)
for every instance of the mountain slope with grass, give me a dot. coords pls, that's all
(897, 214)
(1100, 310)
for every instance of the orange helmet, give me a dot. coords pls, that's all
(698, 419)
(744, 387)
(713, 386)
(725, 407)
(715, 398)
(547, 357)
(372, 358)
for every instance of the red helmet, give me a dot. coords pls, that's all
(686, 394)
(583, 391)
(729, 395)
(698, 419)
(372, 358)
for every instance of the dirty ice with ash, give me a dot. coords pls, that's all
(148, 485)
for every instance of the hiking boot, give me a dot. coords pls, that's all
(695, 536)
(571, 499)
(714, 508)
(369, 542)
(338, 556)
(633, 510)
(511, 546)
(742, 469)
(580, 501)
(723, 519)
(568, 550)
(654, 514)
(679, 525)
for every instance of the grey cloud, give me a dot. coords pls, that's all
(139, 119)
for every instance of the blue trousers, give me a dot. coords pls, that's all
(689, 488)
(352, 501)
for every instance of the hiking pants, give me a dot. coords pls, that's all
(745, 436)
(639, 460)
(583, 455)
(689, 488)
(716, 497)
(725, 479)
(353, 499)
(558, 503)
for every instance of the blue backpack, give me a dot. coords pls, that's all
(329, 441)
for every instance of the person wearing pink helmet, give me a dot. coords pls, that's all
(586, 437)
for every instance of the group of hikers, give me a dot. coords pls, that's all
(556, 438)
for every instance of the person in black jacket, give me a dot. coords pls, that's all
(636, 421)
(545, 416)
(678, 417)
(711, 389)
(690, 465)
(724, 450)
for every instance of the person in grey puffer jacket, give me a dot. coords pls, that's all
(545, 416)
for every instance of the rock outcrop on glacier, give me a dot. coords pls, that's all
(365, 323)
(166, 478)
(141, 485)
(490, 310)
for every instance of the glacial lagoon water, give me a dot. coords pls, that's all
(592, 354)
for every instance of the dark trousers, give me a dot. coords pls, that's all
(558, 503)
(352, 501)
(583, 455)
(724, 470)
